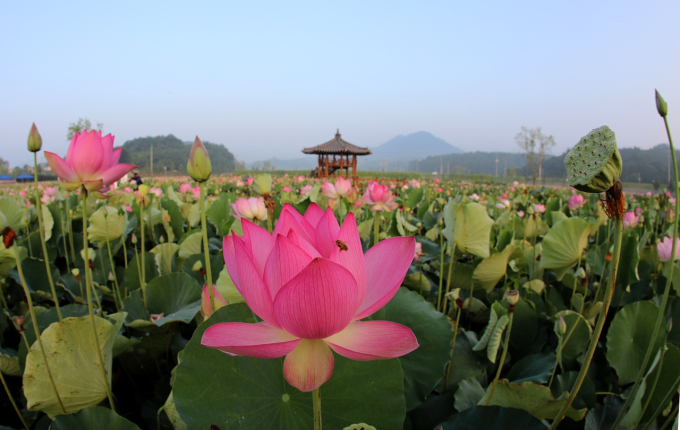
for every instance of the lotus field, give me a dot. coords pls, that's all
(239, 302)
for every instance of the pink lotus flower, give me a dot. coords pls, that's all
(418, 252)
(414, 183)
(205, 301)
(539, 209)
(156, 191)
(185, 188)
(311, 294)
(666, 247)
(576, 201)
(342, 188)
(503, 204)
(307, 188)
(128, 208)
(90, 162)
(249, 181)
(630, 220)
(437, 180)
(439, 189)
(49, 195)
(286, 189)
(379, 197)
(474, 197)
(520, 214)
(252, 209)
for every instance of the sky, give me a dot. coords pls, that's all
(269, 78)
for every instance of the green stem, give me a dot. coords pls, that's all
(88, 286)
(316, 401)
(453, 345)
(38, 209)
(557, 358)
(143, 267)
(670, 419)
(652, 387)
(376, 227)
(11, 399)
(34, 320)
(500, 364)
(448, 277)
(63, 239)
(441, 271)
(206, 248)
(573, 291)
(661, 405)
(664, 300)
(597, 331)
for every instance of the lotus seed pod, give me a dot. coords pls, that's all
(661, 105)
(594, 164)
(512, 297)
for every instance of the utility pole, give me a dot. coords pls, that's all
(441, 164)
(151, 156)
(496, 163)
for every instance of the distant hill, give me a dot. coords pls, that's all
(170, 152)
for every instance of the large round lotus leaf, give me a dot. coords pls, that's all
(191, 245)
(213, 388)
(533, 398)
(629, 336)
(468, 393)
(492, 269)
(576, 344)
(93, 418)
(9, 362)
(105, 223)
(465, 362)
(133, 271)
(262, 184)
(36, 276)
(13, 214)
(73, 360)
(424, 367)
(468, 226)
(163, 254)
(493, 418)
(563, 245)
(533, 368)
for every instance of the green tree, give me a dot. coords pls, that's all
(81, 125)
(535, 146)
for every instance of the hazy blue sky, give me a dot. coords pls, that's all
(267, 79)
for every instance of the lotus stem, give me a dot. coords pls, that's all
(448, 277)
(11, 399)
(63, 239)
(662, 404)
(618, 231)
(441, 271)
(38, 209)
(557, 356)
(34, 320)
(453, 345)
(125, 253)
(500, 364)
(573, 291)
(316, 401)
(142, 283)
(652, 387)
(664, 300)
(376, 227)
(670, 420)
(89, 286)
(206, 246)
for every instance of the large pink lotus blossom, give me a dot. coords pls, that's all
(311, 294)
(90, 162)
(342, 188)
(379, 197)
(576, 201)
(539, 208)
(252, 209)
(630, 220)
(665, 249)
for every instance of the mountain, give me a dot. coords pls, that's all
(415, 145)
(471, 163)
(171, 153)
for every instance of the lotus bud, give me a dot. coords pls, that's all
(661, 105)
(580, 273)
(560, 326)
(161, 239)
(594, 164)
(133, 238)
(110, 276)
(198, 166)
(512, 297)
(669, 325)
(34, 139)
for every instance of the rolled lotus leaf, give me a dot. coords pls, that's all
(594, 164)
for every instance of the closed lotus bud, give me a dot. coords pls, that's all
(110, 276)
(560, 326)
(512, 297)
(34, 139)
(580, 273)
(661, 105)
(594, 164)
(198, 166)
(133, 238)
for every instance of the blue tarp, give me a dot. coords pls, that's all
(6, 178)
(25, 176)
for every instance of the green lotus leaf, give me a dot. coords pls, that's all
(580, 338)
(262, 184)
(9, 362)
(564, 244)
(468, 394)
(106, 223)
(48, 222)
(492, 418)
(93, 418)
(163, 254)
(13, 214)
(492, 269)
(468, 225)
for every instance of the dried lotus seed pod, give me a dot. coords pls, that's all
(594, 164)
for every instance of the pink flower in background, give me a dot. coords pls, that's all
(156, 191)
(196, 191)
(414, 183)
(358, 203)
(127, 189)
(249, 181)
(239, 183)
(312, 294)
(474, 197)
(439, 189)
(503, 204)
(307, 188)
(252, 209)
(286, 189)
(630, 220)
(511, 189)
(128, 208)
(22, 193)
(205, 301)
(671, 201)
(638, 211)
(649, 194)
(437, 180)
(666, 247)
(539, 209)
(520, 214)
(505, 195)
(185, 188)
(49, 195)
(342, 188)
(576, 201)
(379, 197)
(90, 162)
(419, 251)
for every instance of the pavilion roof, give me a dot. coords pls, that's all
(337, 145)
